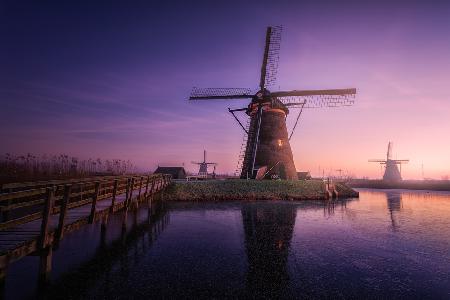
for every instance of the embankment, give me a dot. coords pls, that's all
(432, 185)
(233, 190)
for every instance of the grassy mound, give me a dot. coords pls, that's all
(228, 190)
(345, 190)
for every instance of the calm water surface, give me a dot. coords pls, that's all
(386, 244)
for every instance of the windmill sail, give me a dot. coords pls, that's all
(316, 98)
(220, 93)
(334, 92)
(389, 151)
(269, 68)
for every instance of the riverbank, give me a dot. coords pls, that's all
(232, 190)
(431, 185)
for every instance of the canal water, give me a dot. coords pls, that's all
(388, 244)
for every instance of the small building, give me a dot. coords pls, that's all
(304, 175)
(176, 172)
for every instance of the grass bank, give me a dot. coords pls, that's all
(229, 190)
(431, 185)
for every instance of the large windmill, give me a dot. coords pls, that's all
(267, 142)
(391, 172)
(203, 166)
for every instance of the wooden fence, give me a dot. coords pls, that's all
(36, 215)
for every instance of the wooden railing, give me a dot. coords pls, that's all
(24, 202)
(330, 189)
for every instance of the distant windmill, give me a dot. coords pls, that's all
(266, 143)
(391, 172)
(340, 172)
(203, 166)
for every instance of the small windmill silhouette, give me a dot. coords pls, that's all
(391, 172)
(203, 166)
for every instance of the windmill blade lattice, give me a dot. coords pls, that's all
(220, 93)
(273, 56)
(317, 101)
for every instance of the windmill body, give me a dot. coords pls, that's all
(272, 149)
(391, 172)
(267, 152)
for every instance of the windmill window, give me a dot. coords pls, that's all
(280, 143)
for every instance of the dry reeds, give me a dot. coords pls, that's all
(33, 167)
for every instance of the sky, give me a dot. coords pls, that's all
(111, 79)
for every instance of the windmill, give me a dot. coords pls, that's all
(391, 172)
(266, 141)
(203, 166)
(340, 172)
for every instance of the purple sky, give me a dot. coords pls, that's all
(112, 80)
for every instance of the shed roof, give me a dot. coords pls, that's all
(170, 170)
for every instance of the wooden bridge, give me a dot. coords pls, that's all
(37, 215)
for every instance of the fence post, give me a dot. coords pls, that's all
(128, 191)
(146, 187)
(140, 188)
(152, 190)
(104, 222)
(131, 192)
(49, 200)
(45, 265)
(114, 194)
(150, 199)
(163, 187)
(94, 202)
(2, 280)
(63, 212)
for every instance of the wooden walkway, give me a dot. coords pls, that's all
(44, 212)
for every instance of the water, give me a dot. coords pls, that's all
(386, 244)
